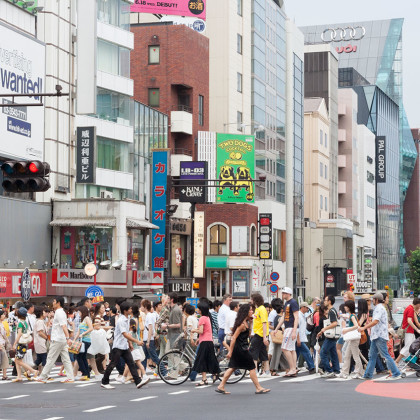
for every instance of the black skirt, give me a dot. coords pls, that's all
(241, 359)
(206, 360)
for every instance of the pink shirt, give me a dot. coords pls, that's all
(207, 331)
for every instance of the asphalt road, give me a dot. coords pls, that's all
(290, 398)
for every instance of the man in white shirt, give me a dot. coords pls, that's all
(149, 334)
(221, 317)
(302, 339)
(230, 320)
(60, 340)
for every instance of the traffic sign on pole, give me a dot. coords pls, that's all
(274, 276)
(274, 288)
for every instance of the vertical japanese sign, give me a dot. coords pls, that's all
(235, 168)
(198, 257)
(159, 185)
(85, 170)
(380, 159)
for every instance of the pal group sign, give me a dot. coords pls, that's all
(192, 8)
(22, 70)
(235, 168)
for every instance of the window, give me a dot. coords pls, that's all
(326, 140)
(239, 4)
(218, 240)
(239, 120)
(321, 136)
(135, 249)
(239, 82)
(154, 54)
(281, 192)
(219, 283)
(253, 240)
(112, 154)
(200, 110)
(154, 97)
(113, 59)
(114, 12)
(370, 225)
(325, 172)
(326, 203)
(321, 166)
(240, 239)
(370, 177)
(239, 44)
(370, 202)
(321, 200)
(279, 245)
(113, 107)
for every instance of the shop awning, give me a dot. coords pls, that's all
(216, 261)
(138, 223)
(84, 221)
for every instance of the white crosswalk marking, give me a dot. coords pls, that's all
(15, 397)
(178, 392)
(106, 407)
(55, 390)
(144, 398)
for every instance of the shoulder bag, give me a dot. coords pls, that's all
(352, 335)
(277, 337)
(26, 337)
(332, 332)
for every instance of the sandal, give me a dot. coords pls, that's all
(274, 374)
(215, 378)
(262, 391)
(202, 383)
(5, 378)
(222, 391)
(17, 380)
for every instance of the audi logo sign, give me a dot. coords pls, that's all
(349, 33)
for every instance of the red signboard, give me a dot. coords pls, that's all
(147, 278)
(330, 278)
(10, 284)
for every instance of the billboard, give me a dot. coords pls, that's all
(159, 194)
(22, 70)
(192, 8)
(380, 159)
(235, 168)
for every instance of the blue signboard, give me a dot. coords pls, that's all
(192, 301)
(95, 293)
(192, 176)
(160, 173)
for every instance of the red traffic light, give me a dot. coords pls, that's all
(265, 221)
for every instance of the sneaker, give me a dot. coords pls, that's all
(107, 386)
(143, 382)
(343, 376)
(41, 381)
(330, 375)
(84, 378)
(99, 377)
(120, 379)
(78, 377)
(312, 371)
(356, 376)
(393, 378)
(265, 375)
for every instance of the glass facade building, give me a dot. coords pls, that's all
(376, 54)
(269, 96)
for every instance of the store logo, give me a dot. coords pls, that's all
(348, 49)
(348, 33)
(196, 6)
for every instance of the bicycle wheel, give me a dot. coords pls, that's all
(236, 376)
(174, 367)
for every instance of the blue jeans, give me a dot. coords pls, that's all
(150, 354)
(304, 351)
(329, 352)
(378, 346)
(221, 337)
(82, 361)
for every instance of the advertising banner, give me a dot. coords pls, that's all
(159, 193)
(11, 283)
(22, 70)
(235, 168)
(192, 190)
(380, 160)
(85, 168)
(193, 8)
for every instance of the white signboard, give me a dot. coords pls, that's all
(22, 70)
(199, 244)
(198, 25)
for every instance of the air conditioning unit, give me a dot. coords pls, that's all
(107, 194)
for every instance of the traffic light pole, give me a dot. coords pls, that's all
(58, 93)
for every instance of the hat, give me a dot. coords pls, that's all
(107, 309)
(22, 311)
(378, 296)
(287, 290)
(366, 296)
(304, 305)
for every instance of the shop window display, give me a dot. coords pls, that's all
(77, 248)
(135, 249)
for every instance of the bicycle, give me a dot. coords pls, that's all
(175, 366)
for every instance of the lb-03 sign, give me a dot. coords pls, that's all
(192, 179)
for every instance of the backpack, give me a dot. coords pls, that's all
(310, 324)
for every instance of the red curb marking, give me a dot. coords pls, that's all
(406, 391)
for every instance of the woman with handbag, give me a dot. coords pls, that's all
(85, 328)
(239, 354)
(352, 336)
(4, 347)
(278, 360)
(23, 338)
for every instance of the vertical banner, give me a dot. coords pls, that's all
(380, 159)
(159, 192)
(235, 168)
(198, 244)
(85, 168)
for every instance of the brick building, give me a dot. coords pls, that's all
(412, 204)
(170, 69)
(230, 249)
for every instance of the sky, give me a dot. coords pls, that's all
(310, 12)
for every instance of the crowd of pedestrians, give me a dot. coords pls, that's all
(264, 339)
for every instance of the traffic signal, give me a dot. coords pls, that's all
(25, 176)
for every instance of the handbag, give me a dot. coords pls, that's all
(25, 338)
(75, 347)
(277, 337)
(363, 337)
(332, 332)
(352, 335)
